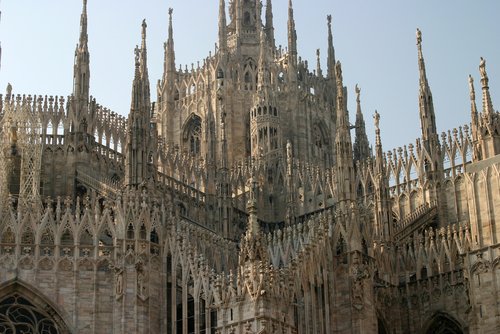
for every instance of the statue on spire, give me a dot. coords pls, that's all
(376, 119)
(419, 37)
(471, 88)
(482, 68)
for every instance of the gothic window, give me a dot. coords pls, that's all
(248, 81)
(142, 232)
(86, 238)
(194, 141)
(28, 237)
(247, 21)
(192, 136)
(130, 232)
(443, 324)
(319, 144)
(67, 238)
(249, 75)
(8, 237)
(18, 315)
(154, 237)
(60, 129)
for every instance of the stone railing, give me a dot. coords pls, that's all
(93, 180)
(180, 187)
(414, 220)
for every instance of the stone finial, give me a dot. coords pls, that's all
(419, 37)
(329, 19)
(376, 119)
(338, 71)
(358, 93)
(482, 68)
(9, 89)
(471, 88)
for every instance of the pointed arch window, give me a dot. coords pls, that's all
(18, 315)
(319, 147)
(192, 136)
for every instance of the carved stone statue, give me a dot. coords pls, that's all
(482, 68)
(141, 280)
(471, 88)
(419, 37)
(358, 92)
(376, 118)
(118, 278)
(289, 150)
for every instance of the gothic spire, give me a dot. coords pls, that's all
(361, 144)
(345, 165)
(270, 25)
(263, 77)
(292, 36)
(139, 143)
(144, 54)
(169, 46)
(331, 50)
(426, 106)
(83, 26)
(81, 70)
(487, 103)
(473, 107)
(382, 226)
(140, 87)
(79, 103)
(378, 144)
(223, 179)
(222, 26)
(342, 118)
(319, 72)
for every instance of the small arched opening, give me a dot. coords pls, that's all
(443, 323)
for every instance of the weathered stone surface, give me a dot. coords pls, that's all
(237, 203)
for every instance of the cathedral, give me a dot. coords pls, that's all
(236, 197)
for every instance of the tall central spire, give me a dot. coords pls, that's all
(331, 50)
(426, 105)
(270, 25)
(343, 143)
(292, 36)
(140, 144)
(169, 46)
(81, 71)
(263, 77)
(79, 112)
(144, 54)
(83, 26)
(222, 26)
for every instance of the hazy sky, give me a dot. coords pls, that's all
(374, 40)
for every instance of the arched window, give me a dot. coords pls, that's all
(442, 323)
(247, 21)
(21, 316)
(319, 149)
(192, 135)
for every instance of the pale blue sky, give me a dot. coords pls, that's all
(374, 40)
